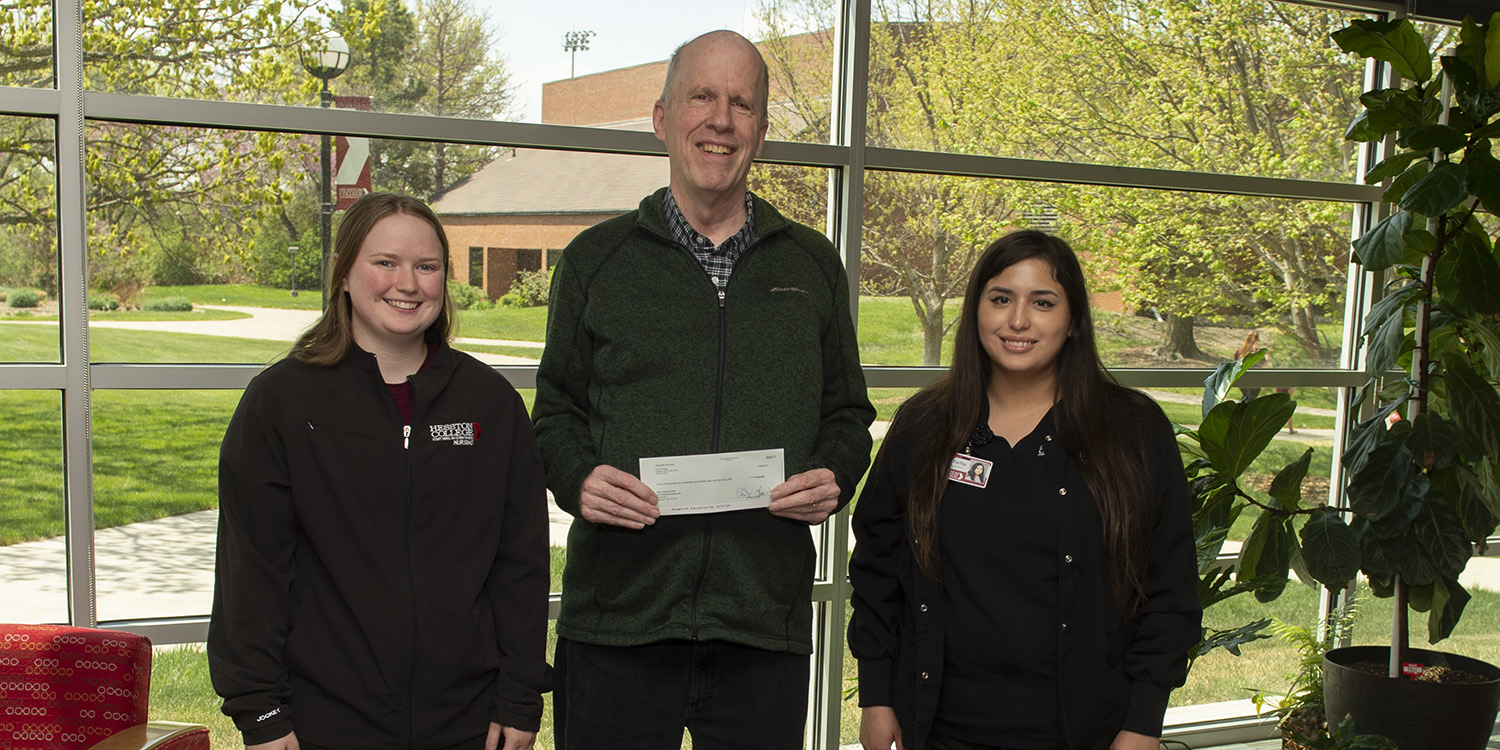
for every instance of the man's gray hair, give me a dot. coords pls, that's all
(765, 72)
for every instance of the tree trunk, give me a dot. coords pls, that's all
(1180, 342)
(932, 338)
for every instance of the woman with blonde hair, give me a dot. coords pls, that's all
(382, 568)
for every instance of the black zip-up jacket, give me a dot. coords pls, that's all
(379, 589)
(1115, 671)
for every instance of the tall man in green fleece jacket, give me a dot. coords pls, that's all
(702, 322)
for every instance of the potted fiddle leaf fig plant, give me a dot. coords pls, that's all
(1423, 470)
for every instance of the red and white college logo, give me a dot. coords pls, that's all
(456, 433)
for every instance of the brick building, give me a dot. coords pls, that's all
(519, 211)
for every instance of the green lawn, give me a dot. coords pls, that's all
(147, 315)
(247, 295)
(34, 343)
(155, 455)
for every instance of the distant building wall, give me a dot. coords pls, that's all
(602, 98)
(502, 236)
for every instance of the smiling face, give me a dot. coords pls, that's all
(1024, 320)
(711, 117)
(396, 283)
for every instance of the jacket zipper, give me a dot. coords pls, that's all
(411, 586)
(708, 523)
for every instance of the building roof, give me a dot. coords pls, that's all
(536, 181)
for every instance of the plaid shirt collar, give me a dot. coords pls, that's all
(719, 261)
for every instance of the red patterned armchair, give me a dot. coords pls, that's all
(64, 688)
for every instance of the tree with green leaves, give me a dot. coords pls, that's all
(1224, 86)
(154, 190)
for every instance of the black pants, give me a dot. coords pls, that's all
(728, 697)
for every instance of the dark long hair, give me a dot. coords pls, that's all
(1112, 463)
(328, 341)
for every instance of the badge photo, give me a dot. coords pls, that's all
(970, 470)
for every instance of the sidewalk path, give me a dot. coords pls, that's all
(280, 324)
(161, 568)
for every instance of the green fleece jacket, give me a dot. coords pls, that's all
(645, 359)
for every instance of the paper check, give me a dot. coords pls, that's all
(713, 482)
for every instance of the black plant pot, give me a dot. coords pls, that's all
(1417, 715)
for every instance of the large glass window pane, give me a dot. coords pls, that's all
(156, 466)
(33, 557)
(1225, 86)
(1178, 279)
(28, 241)
(474, 59)
(227, 268)
(26, 43)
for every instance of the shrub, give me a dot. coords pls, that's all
(25, 298)
(169, 304)
(463, 296)
(530, 290)
(103, 302)
(482, 304)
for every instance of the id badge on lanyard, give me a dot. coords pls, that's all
(970, 470)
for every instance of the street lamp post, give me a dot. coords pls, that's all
(292, 251)
(573, 42)
(326, 57)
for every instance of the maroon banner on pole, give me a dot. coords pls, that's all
(352, 159)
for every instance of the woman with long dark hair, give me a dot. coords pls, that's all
(382, 567)
(1024, 574)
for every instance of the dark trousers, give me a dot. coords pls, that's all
(936, 741)
(728, 697)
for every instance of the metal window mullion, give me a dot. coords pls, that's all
(78, 474)
(846, 201)
(1364, 289)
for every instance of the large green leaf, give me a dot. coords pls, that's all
(1448, 601)
(1469, 274)
(1440, 533)
(1486, 488)
(1415, 567)
(1465, 78)
(1473, 405)
(1483, 332)
(1330, 548)
(1371, 125)
(1378, 556)
(1378, 488)
(1396, 42)
(1383, 246)
(1266, 555)
(1430, 433)
(1411, 176)
(1443, 188)
(1234, 437)
(1445, 138)
(1383, 345)
(1393, 165)
(1465, 492)
(1492, 53)
(1483, 180)
(1286, 487)
(1216, 386)
(1369, 434)
(1408, 506)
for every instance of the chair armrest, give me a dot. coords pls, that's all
(156, 735)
